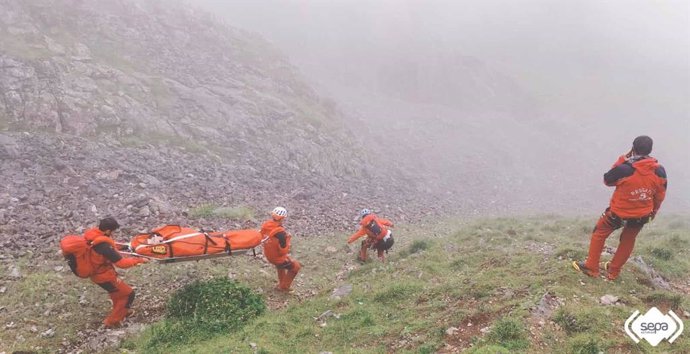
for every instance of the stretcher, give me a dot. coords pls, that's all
(173, 243)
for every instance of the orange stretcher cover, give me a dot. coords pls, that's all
(170, 241)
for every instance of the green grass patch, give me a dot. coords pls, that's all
(397, 292)
(240, 213)
(234, 213)
(578, 320)
(499, 268)
(571, 253)
(489, 349)
(202, 211)
(205, 309)
(419, 245)
(416, 247)
(664, 300)
(662, 253)
(584, 344)
(509, 333)
(148, 139)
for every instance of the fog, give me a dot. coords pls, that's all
(554, 89)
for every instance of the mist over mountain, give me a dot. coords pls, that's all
(580, 78)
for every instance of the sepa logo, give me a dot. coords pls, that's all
(654, 326)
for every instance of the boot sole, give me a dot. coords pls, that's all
(583, 270)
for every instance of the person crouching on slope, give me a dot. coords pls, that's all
(640, 183)
(277, 248)
(104, 256)
(378, 235)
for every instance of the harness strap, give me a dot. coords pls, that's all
(228, 249)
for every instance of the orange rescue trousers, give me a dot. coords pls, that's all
(287, 273)
(370, 243)
(122, 296)
(606, 225)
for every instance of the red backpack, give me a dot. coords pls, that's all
(77, 252)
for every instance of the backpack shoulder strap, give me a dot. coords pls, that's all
(102, 239)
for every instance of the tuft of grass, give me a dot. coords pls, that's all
(481, 291)
(458, 264)
(212, 211)
(205, 309)
(419, 245)
(489, 349)
(362, 317)
(584, 344)
(662, 253)
(234, 213)
(571, 253)
(575, 321)
(509, 333)
(416, 247)
(397, 292)
(202, 211)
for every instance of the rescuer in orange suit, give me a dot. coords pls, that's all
(378, 235)
(277, 248)
(640, 183)
(104, 255)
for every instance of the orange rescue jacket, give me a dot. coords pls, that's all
(372, 226)
(277, 247)
(103, 267)
(640, 186)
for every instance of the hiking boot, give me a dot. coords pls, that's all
(112, 325)
(580, 267)
(284, 291)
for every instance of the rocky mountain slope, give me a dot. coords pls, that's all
(159, 71)
(59, 184)
(146, 110)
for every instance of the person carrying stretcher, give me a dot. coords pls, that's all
(378, 235)
(277, 248)
(103, 258)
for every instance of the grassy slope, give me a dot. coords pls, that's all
(489, 273)
(486, 273)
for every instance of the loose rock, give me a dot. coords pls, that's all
(14, 273)
(608, 300)
(341, 292)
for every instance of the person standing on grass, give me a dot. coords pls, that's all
(277, 249)
(640, 183)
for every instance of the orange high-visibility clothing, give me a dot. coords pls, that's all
(640, 190)
(277, 249)
(104, 256)
(607, 224)
(372, 226)
(640, 187)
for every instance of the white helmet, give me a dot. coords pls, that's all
(364, 213)
(279, 213)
